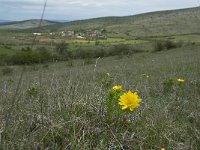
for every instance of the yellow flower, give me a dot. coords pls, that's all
(163, 149)
(129, 100)
(117, 88)
(181, 80)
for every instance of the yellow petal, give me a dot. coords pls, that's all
(124, 107)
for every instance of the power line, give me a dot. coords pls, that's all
(40, 23)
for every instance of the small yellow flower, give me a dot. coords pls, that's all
(117, 88)
(129, 100)
(181, 80)
(163, 149)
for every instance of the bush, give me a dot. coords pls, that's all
(61, 48)
(25, 57)
(103, 51)
(158, 46)
(4, 59)
(42, 55)
(97, 42)
(45, 55)
(7, 47)
(27, 49)
(28, 57)
(120, 49)
(170, 44)
(84, 53)
(165, 45)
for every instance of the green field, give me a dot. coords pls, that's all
(7, 51)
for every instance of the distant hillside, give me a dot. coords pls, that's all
(161, 23)
(60, 21)
(24, 24)
(4, 21)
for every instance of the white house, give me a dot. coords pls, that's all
(37, 34)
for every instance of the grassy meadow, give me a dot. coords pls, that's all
(63, 105)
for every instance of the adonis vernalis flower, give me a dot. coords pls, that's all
(181, 80)
(117, 88)
(129, 100)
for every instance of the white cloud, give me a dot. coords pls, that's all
(81, 9)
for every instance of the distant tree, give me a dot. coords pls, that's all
(158, 46)
(170, 44)
(97, 42)
(62, 48)
(103, 31)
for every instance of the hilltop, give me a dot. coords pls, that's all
(26, 24)
(160, 23)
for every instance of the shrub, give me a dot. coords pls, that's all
(97, 42)
(120, 49)
(158, 46)
(170, 44)
(4, 59)
(165, 45)
(61, 48)
(45, 55)
(84, 53)
(26, 49)
(103, 51)
(25, 57)
(7, 47)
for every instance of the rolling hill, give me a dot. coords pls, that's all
(161, 23)
(24, 24)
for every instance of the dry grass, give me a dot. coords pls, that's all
(63, 107)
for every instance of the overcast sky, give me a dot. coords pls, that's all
(83, 9)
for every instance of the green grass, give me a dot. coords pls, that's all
(7, 51)
(62, 106)
(195, 38)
